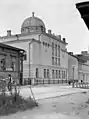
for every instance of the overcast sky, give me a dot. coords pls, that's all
(61, 16)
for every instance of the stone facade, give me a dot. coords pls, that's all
(42, 55)
(46, 54)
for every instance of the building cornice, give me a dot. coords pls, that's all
(17, 37)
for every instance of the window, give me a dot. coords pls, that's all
(52, 48)
(55, 49)
(14, 63)
(44, 73)
(56, 73)
(25, 56)
(59, 74)
(55, 61)
(58, 61)
(2, 64)
(48, 45)
(62, 75)
(52, 60)
(52, 73)
(58, 50)
(47, 73)
(43, 43)
(13, 66)
(37, 73)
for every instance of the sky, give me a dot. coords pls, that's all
(61, 16)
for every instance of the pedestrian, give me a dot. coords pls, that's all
(69, 82)
(81, 81)
(10, 82)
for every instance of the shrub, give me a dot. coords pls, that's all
(11, 106)
(13, 102)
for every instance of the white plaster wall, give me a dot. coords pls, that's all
(72, 61)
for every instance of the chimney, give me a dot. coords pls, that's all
(8, 32)
(64, 40)
(49, 31)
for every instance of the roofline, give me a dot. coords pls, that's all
(49, 35)
(72, 55)
(53, 36)
(10, 47)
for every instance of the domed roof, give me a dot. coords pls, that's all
(32, 21)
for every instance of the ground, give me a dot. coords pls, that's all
(65, 106)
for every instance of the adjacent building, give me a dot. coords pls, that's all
(78, 66)
(46, 55)
(11, 62)
(72, 67)
(83, 66)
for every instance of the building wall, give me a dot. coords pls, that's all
(10, 64)
(72, 61)
(42, 58)
(39, 55)
(25, 46)
(83, 71)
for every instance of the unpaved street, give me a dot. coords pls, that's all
(72, 106)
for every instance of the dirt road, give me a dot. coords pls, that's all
(66, 107)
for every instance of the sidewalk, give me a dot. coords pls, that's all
(49, 91)
(45, 85)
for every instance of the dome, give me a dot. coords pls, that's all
(32, 24)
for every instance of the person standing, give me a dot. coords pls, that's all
(10, 82)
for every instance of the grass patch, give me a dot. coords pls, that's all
(12, 104)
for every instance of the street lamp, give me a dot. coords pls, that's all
(73, 66)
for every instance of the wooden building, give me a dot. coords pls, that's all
(11, 62)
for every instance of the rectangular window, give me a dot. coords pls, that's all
(55, 49)
(52, 48)
(14, 63)
(44, 73)
(59, 74)
(25, 56)
(37, 73)
(56, 73)
(58, 50)
(47, 73)
(52, 73)
(13, 66)
(52, 60)
(55, 61)
(58, 61)
(62, 75)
